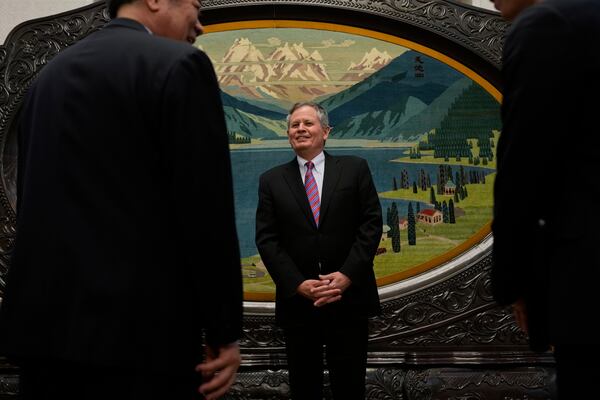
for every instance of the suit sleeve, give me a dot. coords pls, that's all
(368, 234)
(280, 265)
(201, 195)
(534, 71)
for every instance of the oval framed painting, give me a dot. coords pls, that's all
(427, 124)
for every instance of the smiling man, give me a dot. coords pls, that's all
(318, 225)
(109, 294)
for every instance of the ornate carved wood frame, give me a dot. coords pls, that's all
(443, 317)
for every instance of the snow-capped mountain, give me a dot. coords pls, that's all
(243, 63)
(372, 61)
(290, 72)
(295, 63)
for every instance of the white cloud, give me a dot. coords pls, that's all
(331, 43)
(271, 42)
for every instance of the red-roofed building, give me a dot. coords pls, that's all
(430, 216)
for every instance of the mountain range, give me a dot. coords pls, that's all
(371, 62)
(401, 101)
(288, 72)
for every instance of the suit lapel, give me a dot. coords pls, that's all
(333, 172)
(294, 181)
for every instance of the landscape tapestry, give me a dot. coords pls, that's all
(427, 126)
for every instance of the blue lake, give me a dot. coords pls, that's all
(249, 164)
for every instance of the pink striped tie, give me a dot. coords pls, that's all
(312, 191)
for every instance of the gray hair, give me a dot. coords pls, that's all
(321, 112)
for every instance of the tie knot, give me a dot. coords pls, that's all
(309, 165)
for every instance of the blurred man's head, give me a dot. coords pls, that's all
(511, 8)
(175, 19)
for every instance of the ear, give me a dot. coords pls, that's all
(153, 5)
(326, 132)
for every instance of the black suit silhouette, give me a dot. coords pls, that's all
(545, 224)
(123, 162)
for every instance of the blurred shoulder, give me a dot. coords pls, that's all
(573, 8)
(140, 42)
(560, 24)
(562, 12)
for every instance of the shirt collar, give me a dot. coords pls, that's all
(318, 161)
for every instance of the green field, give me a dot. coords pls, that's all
(432, 240)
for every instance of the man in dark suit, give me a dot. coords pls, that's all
(123, 160)
(546, 261)
(318, 225)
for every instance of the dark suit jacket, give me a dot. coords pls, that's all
(292, 247)
(546, 193)
(124, 194)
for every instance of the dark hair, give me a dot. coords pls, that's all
(321, 112)
(114, 5)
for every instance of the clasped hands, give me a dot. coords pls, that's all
(327, 289)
